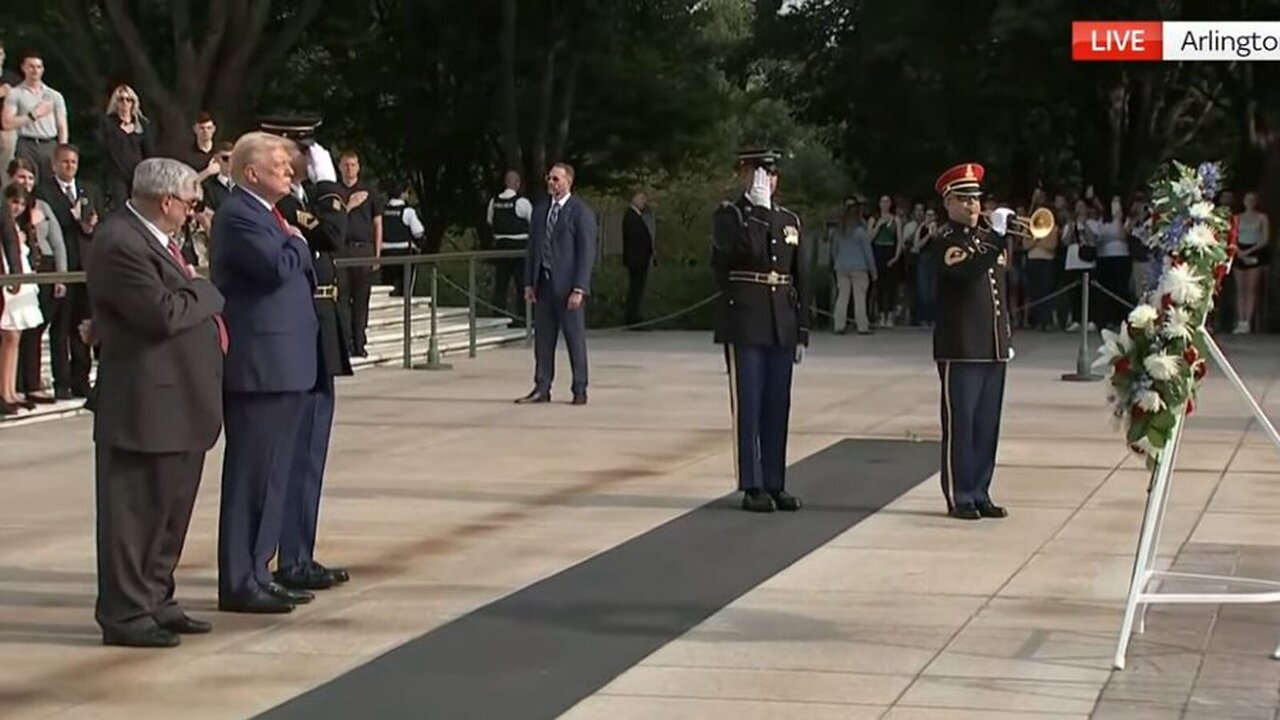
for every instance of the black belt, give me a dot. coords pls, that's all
(769, 278)
(38, 140)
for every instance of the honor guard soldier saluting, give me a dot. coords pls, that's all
(971, 342)
(762, 318)
(315, 207)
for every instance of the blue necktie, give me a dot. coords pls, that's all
(552, 217)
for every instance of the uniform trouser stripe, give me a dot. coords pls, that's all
(731, 357)
(948, 439)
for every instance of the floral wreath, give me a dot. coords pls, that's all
(1156, 362)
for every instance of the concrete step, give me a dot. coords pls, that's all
(451, 345)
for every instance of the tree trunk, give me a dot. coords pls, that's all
(512, 157)
(567, 93)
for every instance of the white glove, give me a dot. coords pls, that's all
(1000, 220)
(759, 194)
(799, 354)
(320, 164)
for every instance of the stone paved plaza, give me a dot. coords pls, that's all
(442, 497)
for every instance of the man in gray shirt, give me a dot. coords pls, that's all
(39, 115)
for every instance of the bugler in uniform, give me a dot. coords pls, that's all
(762, 268)
(316, 208)
(971, 342)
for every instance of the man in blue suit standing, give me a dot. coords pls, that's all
(263, 268)
(558, 263)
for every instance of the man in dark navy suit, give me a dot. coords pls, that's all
(263, 267)
(562, 250)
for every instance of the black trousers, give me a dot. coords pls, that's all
(760, 399)
(972, 395)
(144, 508)
(393, 275)
(637, 278)
(508, 280)
(354, 298)
(30, 375)
(70, 357)
(551, 316)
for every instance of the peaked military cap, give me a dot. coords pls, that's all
(964, 179)
(760, 158)
(294, 127)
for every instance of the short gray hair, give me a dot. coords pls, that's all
(252, 148)
(157, 178)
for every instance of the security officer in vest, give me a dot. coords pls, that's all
(402, 230)
(971, 341)
(316, 208)
(508, 215)
(762, 268)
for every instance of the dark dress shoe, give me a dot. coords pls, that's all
(259, 602)
(187, 625)
(304, 577)
(152, 637)
(295, 597)
(991, 510)
(339, 575)
(579, 399)
(534, 397)
(965, 512)
(757, 501)
(41, 399)
(785, 501)
(63, 394)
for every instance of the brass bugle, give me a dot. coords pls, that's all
(1037, 226)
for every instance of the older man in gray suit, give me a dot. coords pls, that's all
(558, 264)
(158, 403)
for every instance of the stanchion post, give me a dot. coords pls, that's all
(471, 307)
(407, 274)
(433, 346)
(1084, 358)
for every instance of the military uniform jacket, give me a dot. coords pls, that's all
(324, 224)
(972, 323)
(752, 239)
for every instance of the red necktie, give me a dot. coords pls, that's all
(224, 340)
(284, 225)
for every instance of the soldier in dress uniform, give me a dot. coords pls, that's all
(316, 208)
(971, 341)
(762, 268)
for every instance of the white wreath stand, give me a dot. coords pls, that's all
(1146, 578)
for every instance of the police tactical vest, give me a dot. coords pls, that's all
(395, 234)
(505, 220)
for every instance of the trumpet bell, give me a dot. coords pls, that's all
(1040, 224)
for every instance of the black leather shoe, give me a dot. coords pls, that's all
(965, 512)
(579, 399)
(757, 501)
(339, 575)
(152, 637)
(259, 602)
(304, 577)
(187, 625)
(295, 597)
(991, 510)
(785, 501)
(534, 397)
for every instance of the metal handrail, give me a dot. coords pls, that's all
(410, 264)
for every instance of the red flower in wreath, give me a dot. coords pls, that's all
(1123, 365)
(1191, 407)
(1137, 413)
(1166, 301)
(1191, 355)
(1233, 236)
(1200, 369)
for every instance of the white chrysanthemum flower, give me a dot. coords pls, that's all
(1113, 346)
(1202, 210)
(1182, 284)
(1177, 325)
(1187, 188)
(1143, 317)
(1144, 446)
(1162, 366)
(1200, 237)
(1150, 401)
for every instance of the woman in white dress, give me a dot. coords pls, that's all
(21, 305)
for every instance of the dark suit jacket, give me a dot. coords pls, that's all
(573, 246)
(159, 386)
(215, 193)
(637, 243)
(268, 279)
(74, 236)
